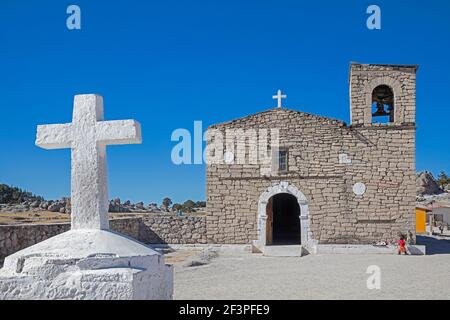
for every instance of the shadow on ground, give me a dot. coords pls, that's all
(434, 245)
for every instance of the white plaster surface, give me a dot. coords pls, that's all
(86, 264)
(344, 159)
(279, 96)
(359, 188)
(229, 157)
(87, 136)
(239, 248)
(89, 261)
(283, 251)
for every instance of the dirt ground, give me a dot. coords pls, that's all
(239, 276)
(45, 217)
(180, 257)
(33, 217)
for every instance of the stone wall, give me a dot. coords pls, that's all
(157, 229)
(313, 143)
(17, 237)
(165, 228)
(381, 156)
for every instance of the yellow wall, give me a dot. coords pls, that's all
(421, 216)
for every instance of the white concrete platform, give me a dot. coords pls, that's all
(225, 248)
(283, 251)
(291, 251)
(364, 249)
(86, 264)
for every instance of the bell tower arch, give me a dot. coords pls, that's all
(378, 90)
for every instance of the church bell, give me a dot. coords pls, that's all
(381, 110)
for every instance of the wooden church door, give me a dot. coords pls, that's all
(269, 222)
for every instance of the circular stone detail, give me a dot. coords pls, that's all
(359, 188)
(229, 157)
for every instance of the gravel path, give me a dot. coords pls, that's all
(253, 276)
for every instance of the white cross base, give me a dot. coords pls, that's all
(87, 261)
(87, 136)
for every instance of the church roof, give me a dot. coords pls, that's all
(300, 113)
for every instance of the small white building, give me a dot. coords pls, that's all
(441, 212)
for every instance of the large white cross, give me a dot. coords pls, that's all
(279, 96)
(88, 136)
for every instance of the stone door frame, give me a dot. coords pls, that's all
(283, 187)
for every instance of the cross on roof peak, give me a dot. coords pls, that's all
(279, 96)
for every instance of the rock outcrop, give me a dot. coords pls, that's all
(62, 206)
(426, 184)
(127, 207)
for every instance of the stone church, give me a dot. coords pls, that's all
(328, 182)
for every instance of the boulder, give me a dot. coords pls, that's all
(140, 206)
(44, 205)
(54, 207)
(35, 204)
(426, 184)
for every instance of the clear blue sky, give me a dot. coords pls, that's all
(168, 63)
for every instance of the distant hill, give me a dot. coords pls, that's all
(12, 195)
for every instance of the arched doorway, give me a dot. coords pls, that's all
(283, 187)
(283, 220)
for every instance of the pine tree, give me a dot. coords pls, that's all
(443, 179)
(166, 203)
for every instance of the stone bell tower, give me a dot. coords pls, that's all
(382, 92)
(382, 117)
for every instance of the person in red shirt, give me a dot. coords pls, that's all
(402, 246)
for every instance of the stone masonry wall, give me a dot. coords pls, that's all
(314, 144)
(149, 229)
(165, 228)
(364, 78)
(382, 157)
(17, 237)
(384, 153)
(384, 160)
